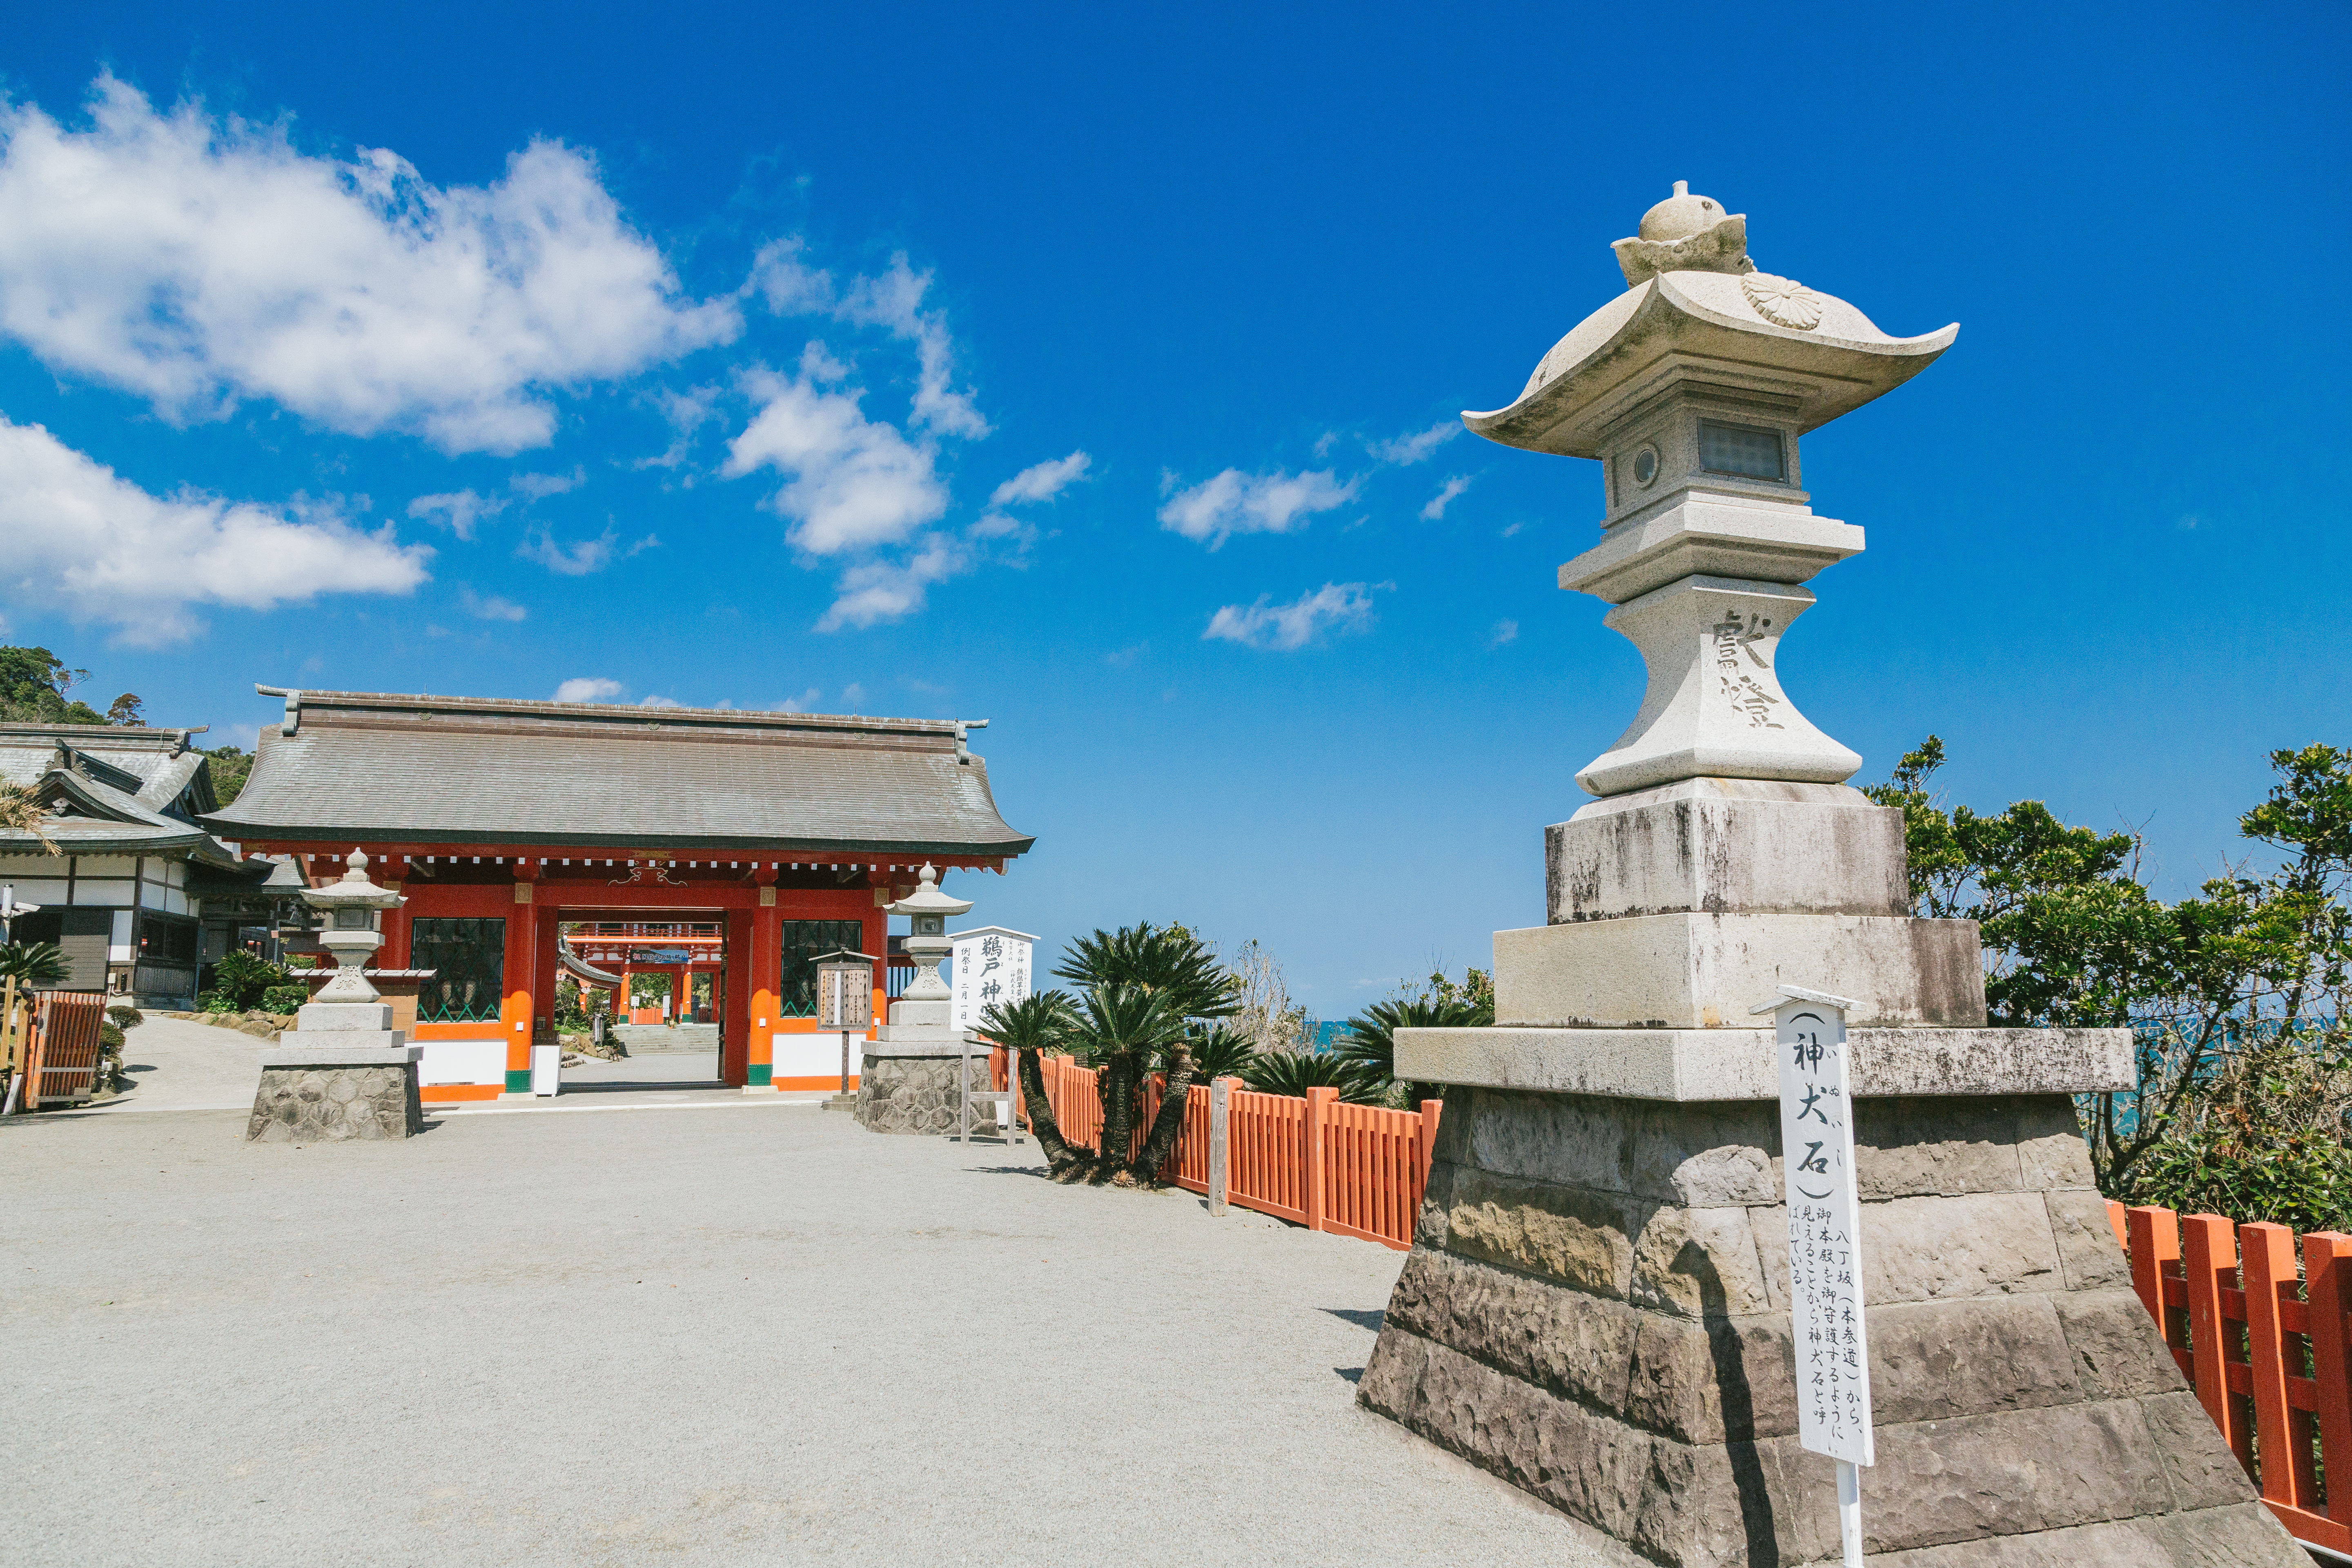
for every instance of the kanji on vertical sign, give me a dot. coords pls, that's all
(1824, 1210)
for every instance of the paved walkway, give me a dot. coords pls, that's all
(726, 1331)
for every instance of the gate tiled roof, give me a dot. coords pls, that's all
(381, 766)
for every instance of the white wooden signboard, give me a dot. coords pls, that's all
(990, 970)
(1824, 1242)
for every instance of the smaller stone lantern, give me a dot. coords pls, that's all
(909, 1081)
(343, 1072)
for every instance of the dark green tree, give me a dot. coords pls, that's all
(33, 687)
(2074, 939)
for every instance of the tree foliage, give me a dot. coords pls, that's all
(2255, 964)
(34, 683)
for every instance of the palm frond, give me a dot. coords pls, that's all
(1159, 959)
(1296, 1072)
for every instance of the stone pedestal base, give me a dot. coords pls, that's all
(331, 1103)
(1596, 1308)
(910, 1094)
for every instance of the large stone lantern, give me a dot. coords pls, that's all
(910, 1078)
(1597, 1303)
(343, 1072)
(353, 912)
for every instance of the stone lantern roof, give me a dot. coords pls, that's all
(927, 899)
(1697, 308)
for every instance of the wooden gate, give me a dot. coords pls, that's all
(61, 1063)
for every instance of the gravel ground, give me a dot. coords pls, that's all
(723, 1331)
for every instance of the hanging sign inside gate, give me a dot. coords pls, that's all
(990, 970)
(1824, 1224)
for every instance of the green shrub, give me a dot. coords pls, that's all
(124, 1015)
(2264, 1138)
(2300, 1179)
(285, 998)
(240, 980)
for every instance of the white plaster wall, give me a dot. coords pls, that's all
(462, 1061)
(812, 1056)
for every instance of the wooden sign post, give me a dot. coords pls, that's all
(1824, 1242)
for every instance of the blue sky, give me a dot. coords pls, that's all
(1094, 371)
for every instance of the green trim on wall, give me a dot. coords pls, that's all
(761, 1073)
(517, 1081)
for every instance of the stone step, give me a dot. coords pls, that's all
(654, 1039)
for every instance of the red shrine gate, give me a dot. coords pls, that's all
(498, 821)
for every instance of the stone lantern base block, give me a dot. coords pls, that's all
(1596, 1309)
(317, 1097)
(911, 1093)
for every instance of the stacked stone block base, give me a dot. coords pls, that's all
(331, 1104)
(910, 1094)
(1596, 1309)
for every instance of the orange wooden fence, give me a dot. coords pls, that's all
(2266, 1347)
(1357, 1169)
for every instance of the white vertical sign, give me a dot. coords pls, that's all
(1824, 1241)
(992, 969)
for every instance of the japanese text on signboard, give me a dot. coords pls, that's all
(992, 969)
(1824, 1234)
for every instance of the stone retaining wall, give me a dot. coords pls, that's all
(1596, 1308)
(335, 1104)
(911, 1094)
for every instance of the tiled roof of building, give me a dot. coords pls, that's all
(386, 768)
(111, 790)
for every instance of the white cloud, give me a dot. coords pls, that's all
(1415, 445)
(493, 608)
(1333, 607)
(197, 260)
(587, 689)
(1041, 481)
(687, 412)
(575, 560)
(804, 703)
(1512, 532)
(1445, 498)
(892, 302)
(851, 695)
(457, 511)
(660, 702)
(74, 535)
(1504, 631)
(856, 483)
(537, 487)
(886, 590)
(1235, 503)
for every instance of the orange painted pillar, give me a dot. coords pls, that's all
(1318, 1196)
(762, 968)
(514, 1010)
(730, 989)
(543, 966)
(393, 953)
(877, 941)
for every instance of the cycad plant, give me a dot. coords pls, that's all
(1370, 1039)
(33, 964)
(1218, 1051)
(1028, 1028)
(1122, 1030)
(1296, 1072)
(1148, 989)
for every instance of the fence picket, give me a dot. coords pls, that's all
(1356, 1169)
(2183, 1270)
